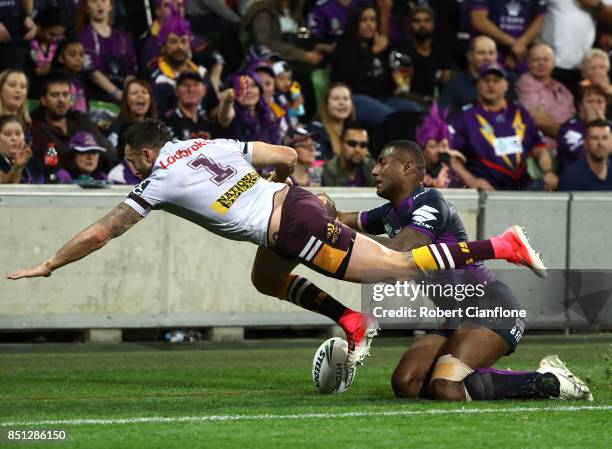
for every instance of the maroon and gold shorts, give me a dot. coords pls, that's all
(309, 235)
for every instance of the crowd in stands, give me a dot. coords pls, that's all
(500, 94)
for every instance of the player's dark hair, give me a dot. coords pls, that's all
(598, 123)
(353, 124)
(411, 149)
(148, 133)
(55, 78)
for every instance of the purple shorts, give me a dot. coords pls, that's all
(309, 235)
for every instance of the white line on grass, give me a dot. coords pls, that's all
(382, 413)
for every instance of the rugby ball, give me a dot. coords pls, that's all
(328, 371)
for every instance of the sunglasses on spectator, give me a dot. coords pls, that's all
(354, 143)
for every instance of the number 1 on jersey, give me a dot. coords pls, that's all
(220, 174)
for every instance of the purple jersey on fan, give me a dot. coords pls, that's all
(496, 143)
(114, 55)
(327, 18)
(426, 211)
(511, 16)
(570, 143)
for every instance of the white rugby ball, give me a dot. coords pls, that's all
(328, 371)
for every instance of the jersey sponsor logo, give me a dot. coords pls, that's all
(424, 213)
(183, 152)
(225, 201)
(333, 232)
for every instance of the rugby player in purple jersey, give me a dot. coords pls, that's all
(453, 362)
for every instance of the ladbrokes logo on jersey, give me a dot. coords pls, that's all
(183, 152)
(225, 201)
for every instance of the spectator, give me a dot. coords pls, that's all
(497, 137)
(353, 166)
(433, 136)
(305, 173)
(336, 110)
(548, 101)
(16, 162)
(430, 58)
(562, 19)
(592, 102)
(513, 24)
(593, 172)
(17, 28)
(137, 104)
(254, 120)
(84, 164)
(326, 21)
(69, 60)
(54, 122)
(51, 25)
(361, 61)
(13, 95)
(461, 88)
(175, 36)
(277, 24)
(189, 120)
(595, 68)
(288, 92)
(111, 60)
(202, 52)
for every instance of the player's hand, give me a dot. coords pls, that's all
(34, 272)
(550, 181)
(273, 177)
(329, 205)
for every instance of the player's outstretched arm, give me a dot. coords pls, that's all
(282, 158)
(115, 223)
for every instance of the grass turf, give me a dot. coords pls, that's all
(65, 382)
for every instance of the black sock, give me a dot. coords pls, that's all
(492, 385)
(301, 292)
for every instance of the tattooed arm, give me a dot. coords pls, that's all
(115, 223)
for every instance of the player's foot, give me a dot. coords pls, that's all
(360, 330)
(513, 246)
(570, 386)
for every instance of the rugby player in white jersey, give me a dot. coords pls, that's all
(214, 184)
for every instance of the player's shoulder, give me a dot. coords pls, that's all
(429, 201)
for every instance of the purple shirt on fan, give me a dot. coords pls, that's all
(511, 16)
(496, 143)
(114, 55)
(570, 143)
(327, 18)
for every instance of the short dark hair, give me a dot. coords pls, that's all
(411, 148)
(55, 78)
(590, 89)
(151, 133)
(8, 118)
(598, 123)
(353, 124)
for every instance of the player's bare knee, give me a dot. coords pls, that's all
(405, 386)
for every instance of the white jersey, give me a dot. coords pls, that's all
(212, 184)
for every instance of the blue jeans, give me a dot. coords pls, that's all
(373, 111)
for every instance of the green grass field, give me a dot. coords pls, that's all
(259, 394)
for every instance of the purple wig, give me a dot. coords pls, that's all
(176, 25)
(433, 127)
(264, 125)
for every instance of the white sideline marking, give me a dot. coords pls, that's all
(181, 419)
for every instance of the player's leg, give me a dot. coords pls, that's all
(414, 368)
(271, 275)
